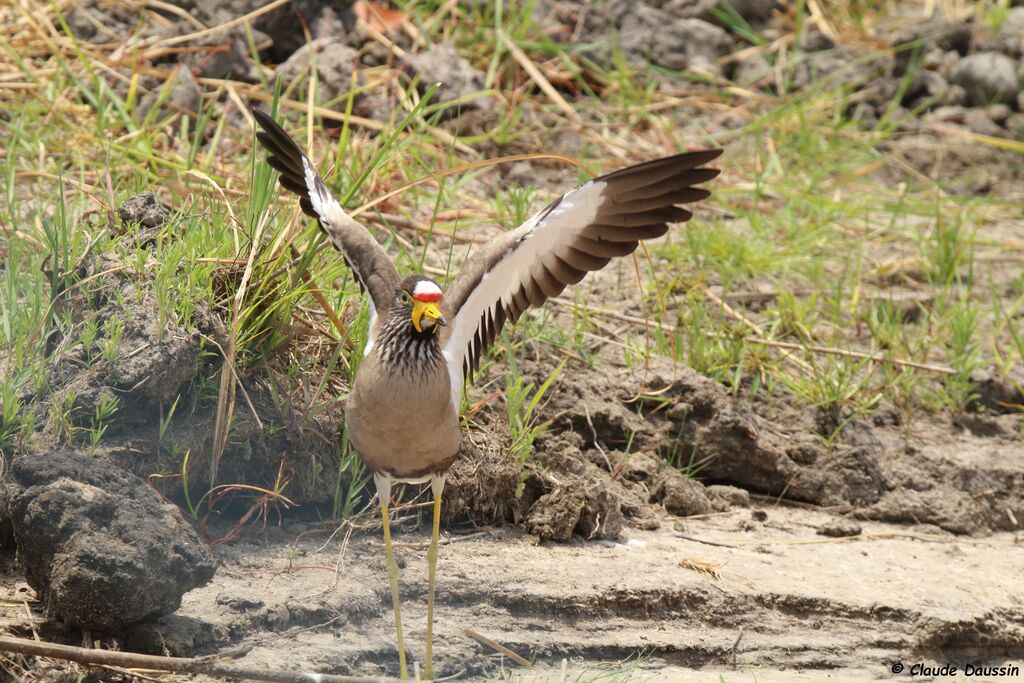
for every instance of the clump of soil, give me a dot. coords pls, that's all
(100, 548)
(604, 461)
(568, 486)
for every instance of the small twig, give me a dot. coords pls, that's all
(758, 330)
(497, 647)
(31, 620)
(597, 444)
(132, 660)
(874, 357)
(804, 505)
(376, 35)
(238, 380)
(878, 536)
(701, 540)
(540, 79)
(828, 350)
(735, 647)
(441, 13)
(177, 40)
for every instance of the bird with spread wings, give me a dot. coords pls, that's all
(424, 344)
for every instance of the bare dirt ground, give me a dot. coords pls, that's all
(756, 592)
(770, 591)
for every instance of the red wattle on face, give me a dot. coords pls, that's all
(428, 297)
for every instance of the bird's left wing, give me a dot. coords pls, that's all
(579, 232)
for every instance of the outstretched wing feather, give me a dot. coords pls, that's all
(577, 233)
(369, 262)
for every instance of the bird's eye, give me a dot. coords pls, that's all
(404, 297)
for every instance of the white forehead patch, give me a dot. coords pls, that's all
(426, 288)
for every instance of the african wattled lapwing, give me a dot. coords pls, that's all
(423, 344)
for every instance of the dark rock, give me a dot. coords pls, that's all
(725, 436)
(734, 446)
(177, 636)
(952, 511)
(151, 366)
(988, 78)
(854, 476)
(458, 79)
(681, 495)
(335, 62)
(999, 113)
(226, 55)
(185, 96)
(671, 36)
(642, 467)
(157, 376)
(601, 517)
(144, 211)
(99, 547)
(554, 515)
(325, 18)
(815, 41)
(239, 603)
(840, 528)
(922, 37)
(1010, 37)
(725, 497)
(95, 22)
(483, 484)
(842, 62)
(806, 451)
(926, 85)
(998, 391)
(677, 44)
(752, 11)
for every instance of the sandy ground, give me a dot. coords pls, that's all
(771, 590)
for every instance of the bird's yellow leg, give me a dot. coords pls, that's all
(437, 484)
(392, 577)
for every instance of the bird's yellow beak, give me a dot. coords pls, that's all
(428, 310)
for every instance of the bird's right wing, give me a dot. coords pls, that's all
(369, 262)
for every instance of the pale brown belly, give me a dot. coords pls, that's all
(404, 426)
